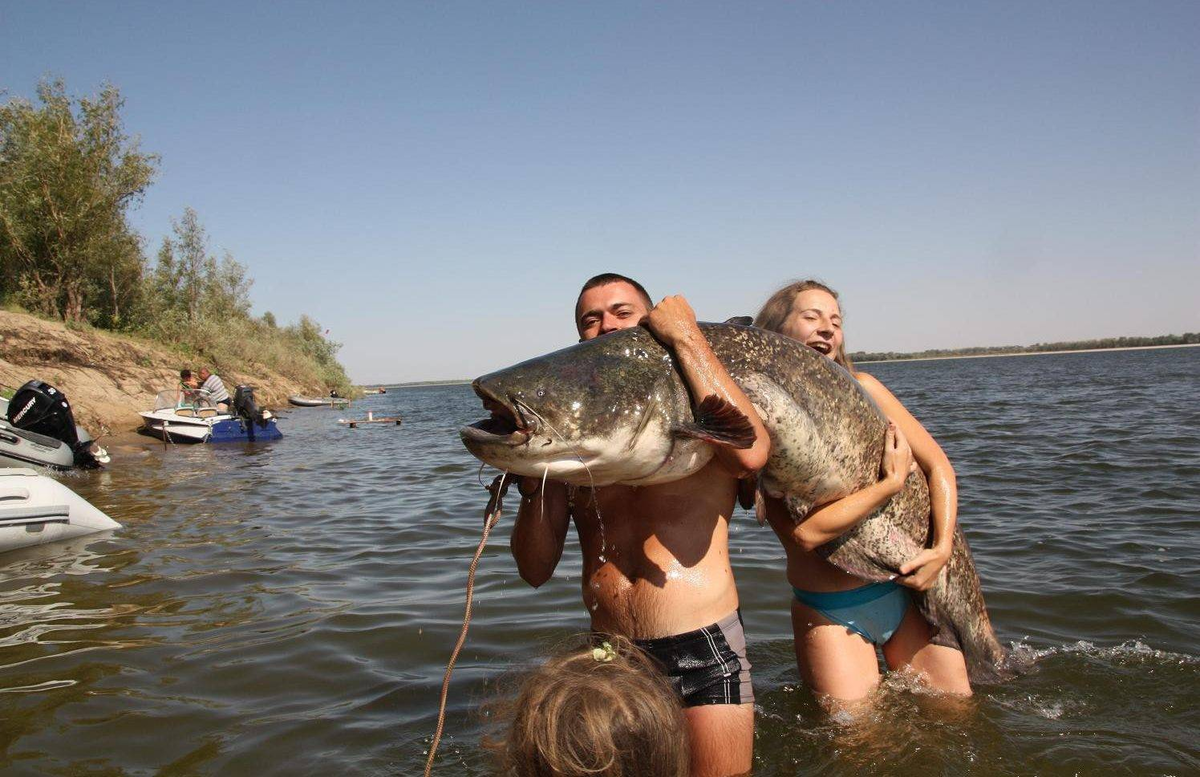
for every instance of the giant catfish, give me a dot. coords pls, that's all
(614, 409)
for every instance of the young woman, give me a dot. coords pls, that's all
(839, 619)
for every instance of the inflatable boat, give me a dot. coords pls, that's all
(35, 509)
(318, 401)
(37, 427)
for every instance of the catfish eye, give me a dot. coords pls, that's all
(541, 393)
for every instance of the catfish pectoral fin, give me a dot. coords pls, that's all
(719, 422)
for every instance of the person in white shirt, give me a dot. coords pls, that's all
(215, 388)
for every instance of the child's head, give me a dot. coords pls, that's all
(605, 710)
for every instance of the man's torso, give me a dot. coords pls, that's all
(656, 558)
(216, 389)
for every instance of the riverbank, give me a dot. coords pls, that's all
(109, 377)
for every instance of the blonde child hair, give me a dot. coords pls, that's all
(604, 709)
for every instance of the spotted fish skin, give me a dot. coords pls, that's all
(619, 402)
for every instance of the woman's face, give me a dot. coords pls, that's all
(816, 321)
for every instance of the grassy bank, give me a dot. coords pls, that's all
(110, 376)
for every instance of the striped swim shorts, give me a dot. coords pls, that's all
(708, 665)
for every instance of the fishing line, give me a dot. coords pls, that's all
(542, 504)
(591, 479)
(491, 517)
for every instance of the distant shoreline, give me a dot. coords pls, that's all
(464, 382)
(423, 383)
(1026, 353)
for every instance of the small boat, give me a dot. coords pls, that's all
(380, 390)
(35, 509)
(192, 416)
(37, 427)
(318, 401)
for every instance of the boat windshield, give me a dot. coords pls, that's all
(176, 399)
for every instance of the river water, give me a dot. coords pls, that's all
(287, 608)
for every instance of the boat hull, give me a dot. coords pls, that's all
(35, 510)
(218, 429)
(318, 401)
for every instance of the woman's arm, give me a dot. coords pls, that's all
(921, 571)
(832, 520)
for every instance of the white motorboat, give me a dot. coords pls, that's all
(192, 416)
(35, 509)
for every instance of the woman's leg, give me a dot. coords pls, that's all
(943, 668)
(833, 660)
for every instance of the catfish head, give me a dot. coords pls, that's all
(609, 410)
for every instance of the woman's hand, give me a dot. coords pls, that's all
(921, 571)
(898, 462)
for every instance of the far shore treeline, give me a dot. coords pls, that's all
(68, 176)
(1188, 338)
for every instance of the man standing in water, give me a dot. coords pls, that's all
(656, 558)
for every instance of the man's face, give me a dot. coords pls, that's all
(607, 308)
(204, 375)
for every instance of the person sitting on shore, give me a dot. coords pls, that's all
(215, 388)
(603, 709)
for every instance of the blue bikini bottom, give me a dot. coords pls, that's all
(873, 611)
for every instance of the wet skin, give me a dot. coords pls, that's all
(665, 547)
(655, 557)
(834, 661)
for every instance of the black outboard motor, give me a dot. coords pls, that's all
(245, 407)
(40, 408)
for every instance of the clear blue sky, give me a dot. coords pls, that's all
(433, 181)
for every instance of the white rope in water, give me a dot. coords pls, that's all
(491, 517)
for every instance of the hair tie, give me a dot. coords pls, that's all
(604, 653)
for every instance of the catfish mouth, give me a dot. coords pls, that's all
(510, 423)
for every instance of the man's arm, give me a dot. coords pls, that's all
(673, 323)
(540, 529)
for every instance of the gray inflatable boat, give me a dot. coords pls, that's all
(36, 427)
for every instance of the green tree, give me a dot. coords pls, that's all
(68, 176)
(189, 284)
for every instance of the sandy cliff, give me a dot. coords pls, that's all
(108, 378)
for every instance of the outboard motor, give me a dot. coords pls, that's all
(246, 408)
(40, 408)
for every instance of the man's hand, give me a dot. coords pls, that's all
(921, 571)
(673, 322)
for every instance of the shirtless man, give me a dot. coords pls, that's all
(657, 569)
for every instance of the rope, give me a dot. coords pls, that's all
(491, 515)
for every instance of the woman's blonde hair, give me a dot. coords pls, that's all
(778, 307)
(604, 709)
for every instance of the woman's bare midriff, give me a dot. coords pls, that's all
(805, 569)
(664, 567)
